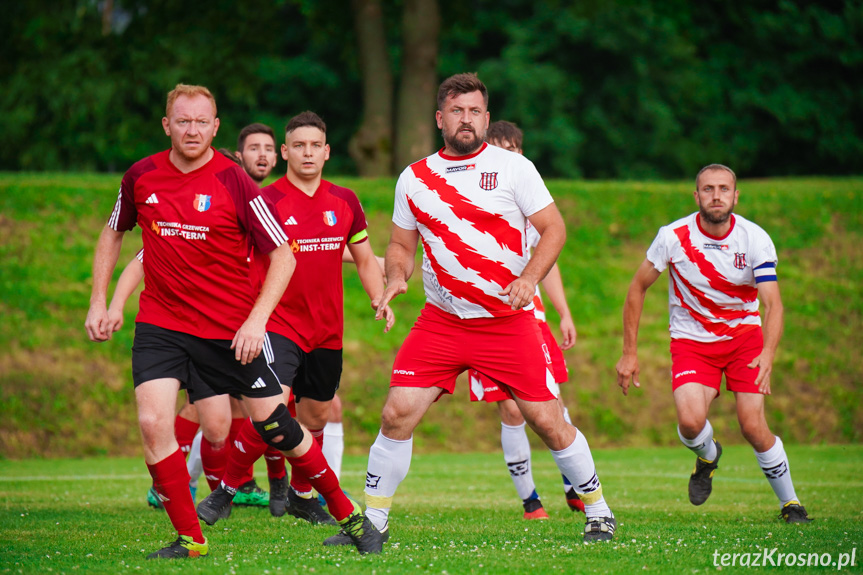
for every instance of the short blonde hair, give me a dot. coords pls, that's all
(718, 168)
(189, 91)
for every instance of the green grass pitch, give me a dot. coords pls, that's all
(453, 514)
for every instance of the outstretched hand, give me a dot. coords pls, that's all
(381, 305)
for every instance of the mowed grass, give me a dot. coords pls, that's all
(455, 513)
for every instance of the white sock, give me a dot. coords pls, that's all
(774, 464)
(389, 462)
(194, 464)
(567, 484)
(703, 445)
(334, 446)
(576, 462)
(516, 454)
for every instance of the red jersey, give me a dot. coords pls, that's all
(311, 313)
(196, 229)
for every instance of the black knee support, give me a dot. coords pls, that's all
(281, 423)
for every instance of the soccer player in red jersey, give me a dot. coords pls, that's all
(470, 203)
(305, 330)
(513, 439)
(719, 265)
(199, 213)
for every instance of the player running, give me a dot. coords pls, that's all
(199, 213)
(470, 203)
(720, 264)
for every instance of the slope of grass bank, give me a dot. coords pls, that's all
(62, 395)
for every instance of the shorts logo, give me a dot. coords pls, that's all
(403, 372)
(330, 218)
(372, 480)
(488, 180)
(202, 202)
(463, 168)
(740, 261)
(687, 372)
(547, 354)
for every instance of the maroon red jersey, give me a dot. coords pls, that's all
(196, 229)
(311, 313)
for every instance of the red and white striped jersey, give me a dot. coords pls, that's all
(712, 293)
(471, 213)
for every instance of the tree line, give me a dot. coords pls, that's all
(625, 89)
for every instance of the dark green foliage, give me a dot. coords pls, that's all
(603, 89)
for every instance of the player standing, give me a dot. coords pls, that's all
(470, 203)
(513, 438)
(719, 265)
(198, 213)
(305, 330)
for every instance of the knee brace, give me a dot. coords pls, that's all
(281, 423)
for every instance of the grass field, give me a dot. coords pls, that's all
(453, 514)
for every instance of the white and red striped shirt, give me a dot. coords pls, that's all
(470, 212)
(712, 293)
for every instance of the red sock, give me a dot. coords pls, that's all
(299, 481)
(236, 424)
(314, 466)
(184, 431)
(171, 480)
(245, 450)
(275, 463)
(213, 460)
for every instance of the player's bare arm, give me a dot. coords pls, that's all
(370, 276)
(552, 235)
(126, 285)
(627, 366)
(107, 253)
(771, 325)
(553, 286)
(399, 265)
(249, 339)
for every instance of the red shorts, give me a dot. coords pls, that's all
(509, 350)
(704, 363)
(488, 390)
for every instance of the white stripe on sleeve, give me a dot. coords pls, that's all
(115, 215)
(268, 221)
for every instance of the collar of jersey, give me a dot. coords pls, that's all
(712, 237)
(461, 158)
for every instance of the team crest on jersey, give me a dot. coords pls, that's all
(739, 261)
(488, 180)
(330, 218)
(202, 202)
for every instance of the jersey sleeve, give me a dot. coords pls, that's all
(531, 195)
(764, 258)
(359, 227)
(658, 252)
(124, 216)
(403, 217)
(254, 213)
(140, 255)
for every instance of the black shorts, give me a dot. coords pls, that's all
(315, 374)
(159, 353)
(198, 389)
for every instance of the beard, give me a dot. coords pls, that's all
(715, 217)
(463, 147)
